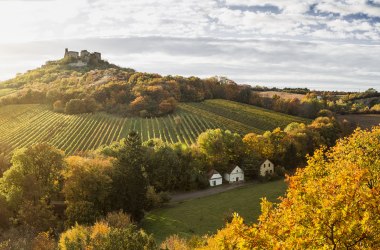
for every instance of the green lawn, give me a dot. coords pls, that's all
(206, 215)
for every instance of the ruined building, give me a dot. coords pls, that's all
(84, 58)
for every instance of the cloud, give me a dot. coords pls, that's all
(305, 41)
(58, 19)
(254, 61)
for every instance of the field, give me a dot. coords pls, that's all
(284, 95)
(243, 118)
(206, 215)
(22, 125)
(363, 121)
(4, 92)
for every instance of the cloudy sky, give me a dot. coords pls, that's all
(321, 44)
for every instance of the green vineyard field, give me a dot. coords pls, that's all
(23, 125)
(244, 118)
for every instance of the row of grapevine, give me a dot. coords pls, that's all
(223, 122)
(259, 117)
(23, 125)
(255, 119)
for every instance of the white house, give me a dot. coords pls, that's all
(236, 174)
(214, 178)
(267, 167)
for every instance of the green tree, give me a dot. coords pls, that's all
(129, 178)
(163, 168)
(221, 148)
(35, 175)
(30, 184)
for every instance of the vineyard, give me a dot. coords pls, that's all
(23, 125)
(243, 118)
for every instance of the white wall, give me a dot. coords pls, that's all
(217, 181)
(236, 173)
(233, 176)
(266, 167)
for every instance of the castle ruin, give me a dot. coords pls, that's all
(84, 58)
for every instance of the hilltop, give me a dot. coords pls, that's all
(84, 83)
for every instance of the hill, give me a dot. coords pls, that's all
(86, 83)
(23, 125)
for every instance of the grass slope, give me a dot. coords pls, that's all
(364, 121)
(6, 91)
(22, 125)
(206, 215)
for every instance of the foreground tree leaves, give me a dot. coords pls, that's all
(331, 204)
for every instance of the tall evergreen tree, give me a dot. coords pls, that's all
(129, 180)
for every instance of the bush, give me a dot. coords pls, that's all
(102, 236)
(174, 242)
(58, 106)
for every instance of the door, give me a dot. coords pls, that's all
(214, 183)
(237, 178)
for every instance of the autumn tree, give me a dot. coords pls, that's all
(107, 235)
(87, 187)
(331, 204)
(30, 184)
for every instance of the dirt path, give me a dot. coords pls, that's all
(178, 197)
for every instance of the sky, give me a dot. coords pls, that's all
(332, 45)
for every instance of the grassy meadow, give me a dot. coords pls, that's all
(207, 214)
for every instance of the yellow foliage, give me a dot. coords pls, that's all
(99, 229)
(331, 204)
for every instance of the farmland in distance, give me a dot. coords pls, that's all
(23, 125)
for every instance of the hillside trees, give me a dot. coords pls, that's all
(221, 148)
(31, 182)
(174, 167)
(87, 188)
(331, 204)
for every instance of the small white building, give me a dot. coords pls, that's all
(214, 178)
(267, 168)
(234, 175)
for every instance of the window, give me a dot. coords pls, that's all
(270, 171)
